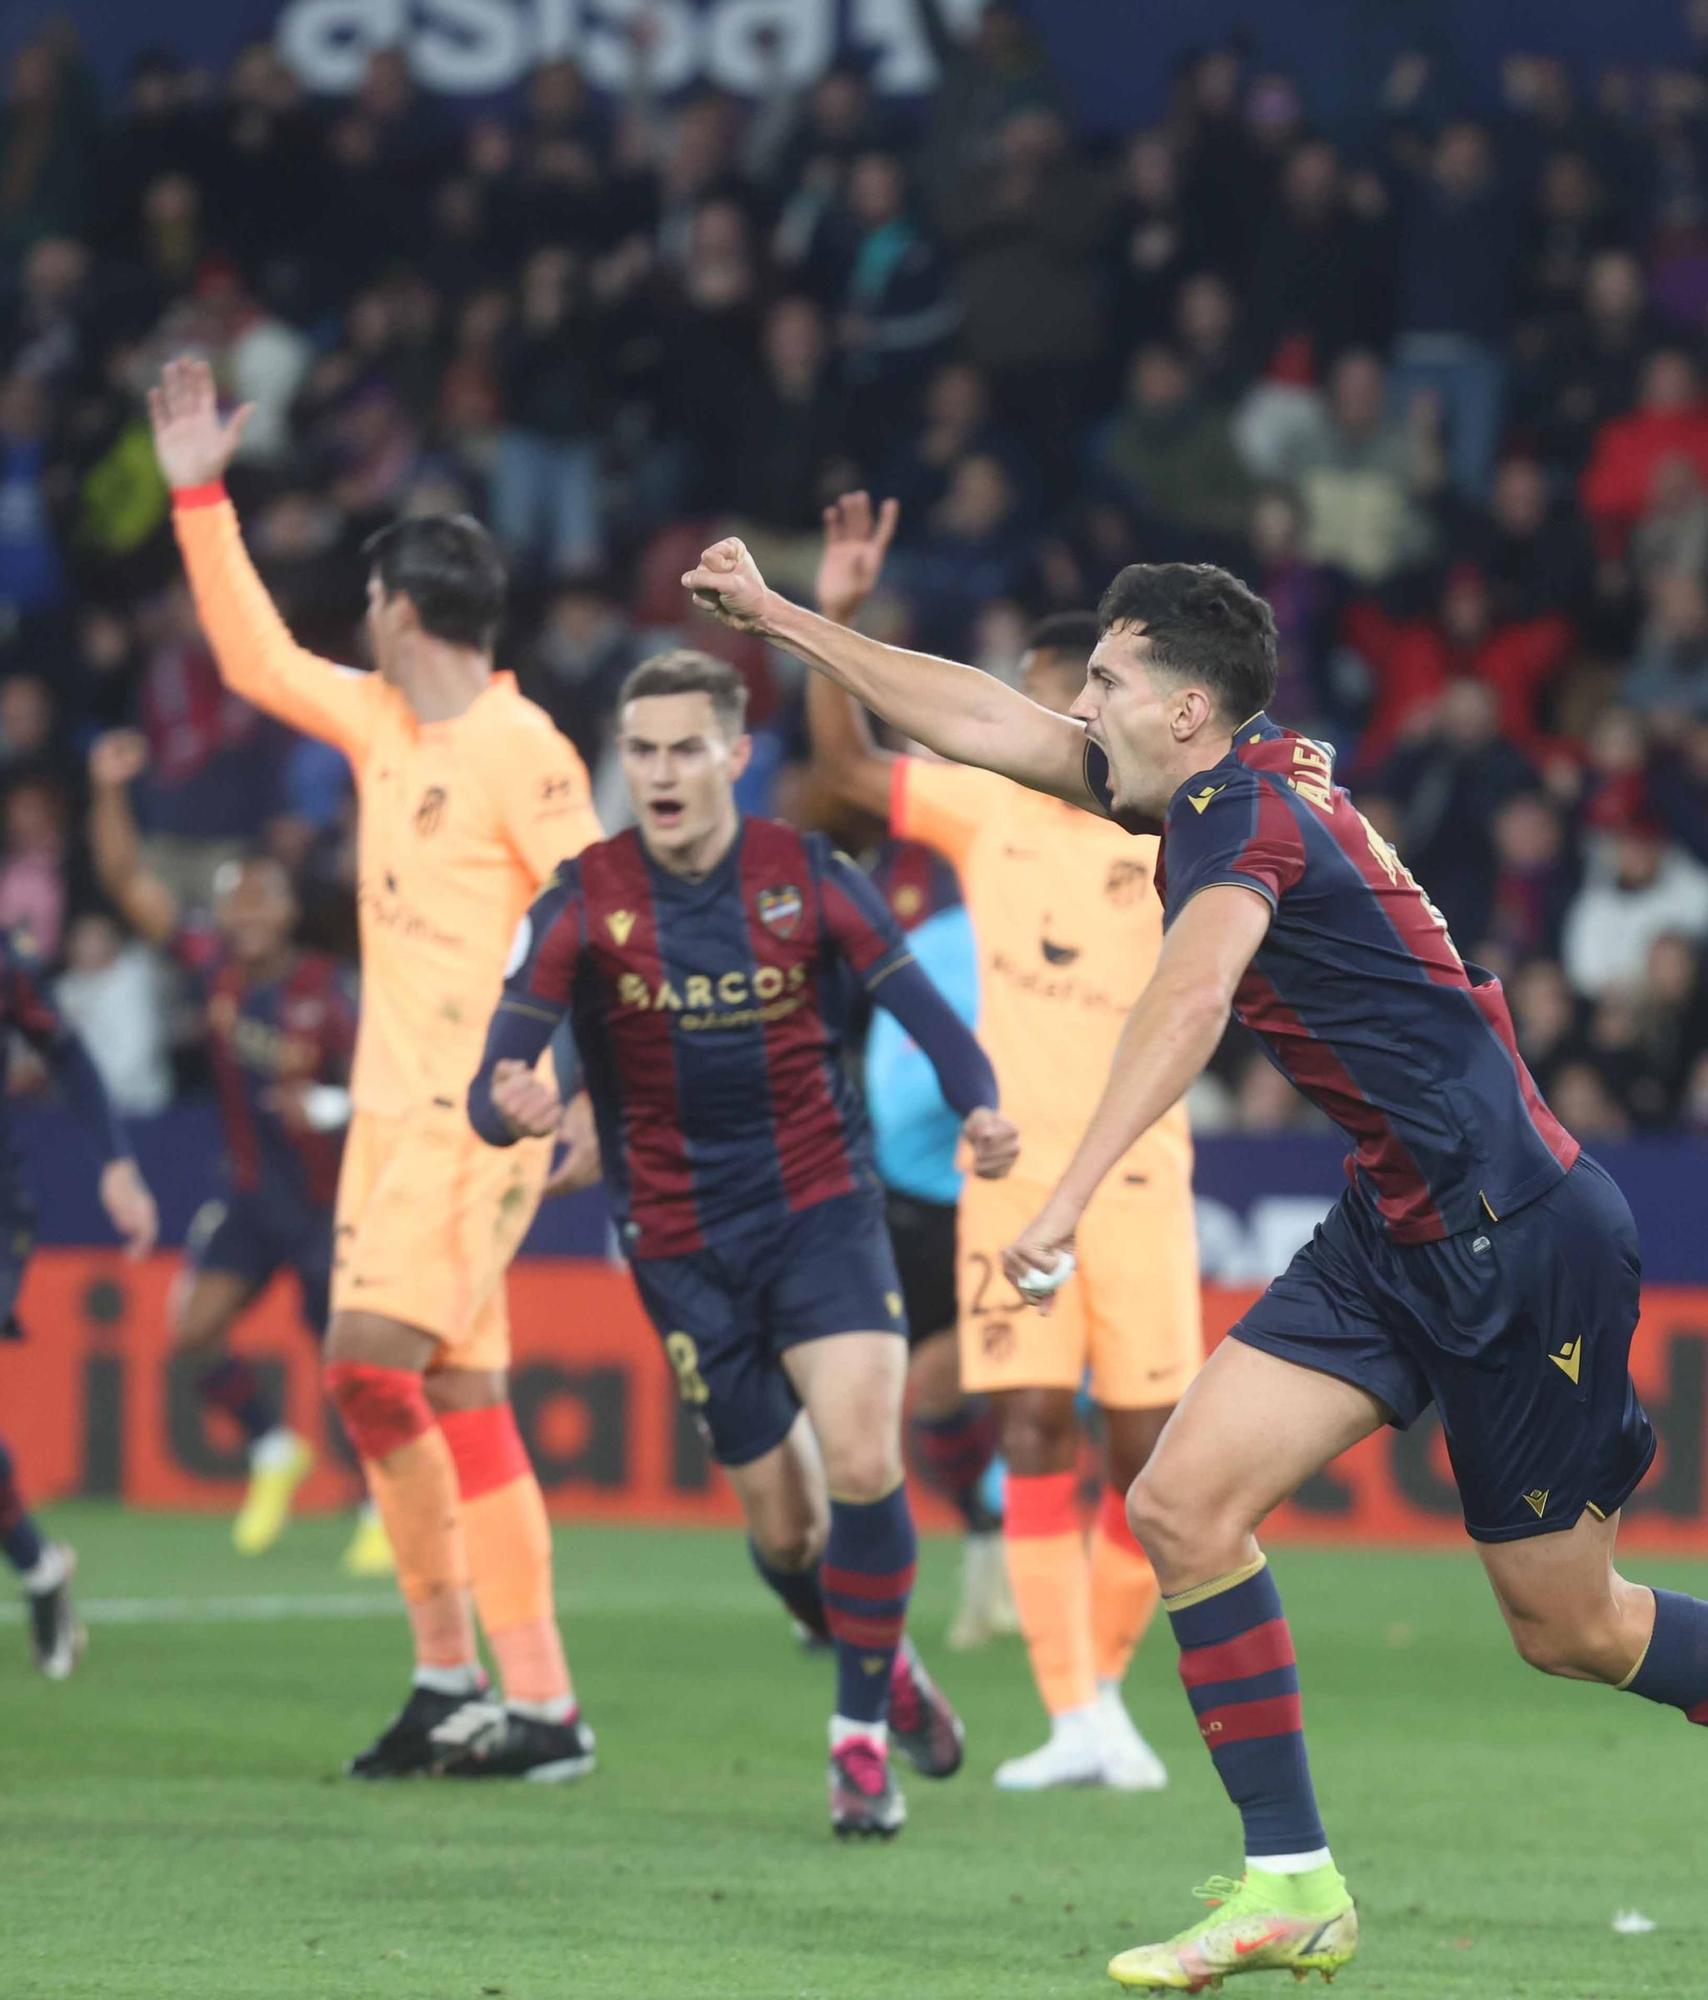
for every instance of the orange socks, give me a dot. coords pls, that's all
(1051, 1577)
(1123, 1588)
(414, 1484)
(510, 1555)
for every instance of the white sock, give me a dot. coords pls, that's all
(1290, 1864)
(48, 1572)
(273, 1449)
(1109, 1690)
(1072, 1720)
(562, 1708)
(874, 1732)
(449, 1680)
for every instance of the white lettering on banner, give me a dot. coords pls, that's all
(604, 47)
(755, 46)
(328, 42)
(469, 45)
(476, 47)
(892, 29)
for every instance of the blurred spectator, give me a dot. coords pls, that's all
(1670, 672)
(32, 576)
(27, 728)
(545, 477)
(1534, 554)
(1172, 455)
(33, 852)
(988, 71)
(796, 459)
(1209, 336)
(1674, 1002)
(1451, 309)
(1534, 877)
(1319, 273)
(1637, 889)
(579, 661)
(258, 359)
(897, 311)
(1305, 601)
(1669, 422)
(47, 142)
(1153, 244)
(1024, 229)
(1587, 366)
(1450, 781)
(1365, 476)
(213, 761)
(1545, 1018)
(1585, 1105)
(110, 992)
(1672, 535)
(1413, 661)
(966, 552)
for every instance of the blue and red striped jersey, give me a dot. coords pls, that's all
(915, 880)
(1357, 993)
(299, 1028)
(709, 1016)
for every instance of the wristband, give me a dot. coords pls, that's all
(211, 493)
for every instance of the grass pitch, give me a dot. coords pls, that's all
(173, 1830)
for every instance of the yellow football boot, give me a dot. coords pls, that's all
(273, 1483)
(1264, 1923)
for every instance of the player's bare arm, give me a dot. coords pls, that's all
(962, 714)
(252, 646)
(1170, 1035)
(143, 899)
(846, 754)
(129, 1206)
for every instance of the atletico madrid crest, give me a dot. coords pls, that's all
(780, 909)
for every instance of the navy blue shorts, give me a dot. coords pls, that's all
(1519, 1331)
(251, 1235)
(728, 1314)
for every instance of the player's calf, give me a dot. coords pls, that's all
(510, 1562)
(409, 1471)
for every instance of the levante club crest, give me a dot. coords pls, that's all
(780, 909)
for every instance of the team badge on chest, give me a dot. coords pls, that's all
(780, 910)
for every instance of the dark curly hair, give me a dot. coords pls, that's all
(1204, 626)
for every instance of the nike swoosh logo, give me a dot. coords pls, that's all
(1257, 1944)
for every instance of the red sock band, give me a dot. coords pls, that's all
(383, 1409)
(1112, 1521)
(486, 1448)
(1045, 1505)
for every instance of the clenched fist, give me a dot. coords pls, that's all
(995, 1141)
(526, 1103)
(727, 583)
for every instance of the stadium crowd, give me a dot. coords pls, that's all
(1434, 384)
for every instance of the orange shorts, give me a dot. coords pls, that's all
(1131, 1312)
(429, 1217)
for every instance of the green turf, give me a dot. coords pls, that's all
(171, 1830)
